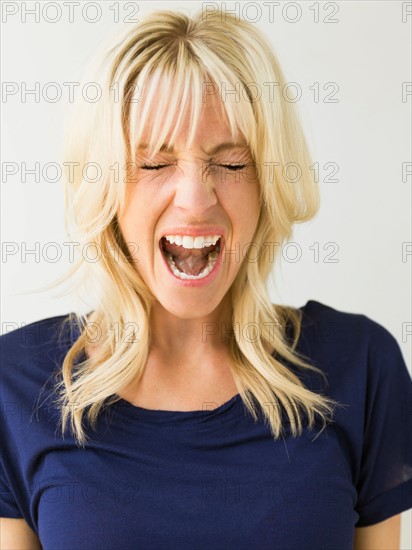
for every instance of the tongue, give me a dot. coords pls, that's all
(190, 261)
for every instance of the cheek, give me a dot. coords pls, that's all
(252, 190)
(241, 201)
(249, 209)
(134, 224)
(138, 223)
(127, 222)
(136, 208)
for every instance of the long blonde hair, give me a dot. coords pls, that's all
(189, 53)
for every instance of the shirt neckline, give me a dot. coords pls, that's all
(167, 417)
(181, 418)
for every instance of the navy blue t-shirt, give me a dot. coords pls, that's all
(206, 479)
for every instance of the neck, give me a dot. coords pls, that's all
(205, 334)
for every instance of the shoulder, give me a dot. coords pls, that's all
(21, 339)
(330, 326)
(353, 350)
(31, 352)
(364, 367)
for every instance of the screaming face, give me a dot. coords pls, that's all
(191, 214)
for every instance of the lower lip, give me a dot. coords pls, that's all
(196, 282)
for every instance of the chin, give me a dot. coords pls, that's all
(189, 308)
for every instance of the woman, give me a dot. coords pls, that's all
(186, 410)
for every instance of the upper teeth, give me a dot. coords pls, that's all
(193, 242)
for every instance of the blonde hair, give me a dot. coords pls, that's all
(188, 53)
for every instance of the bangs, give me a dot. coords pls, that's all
(168, 88)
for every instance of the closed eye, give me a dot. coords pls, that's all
(232, 167)
(153, 166)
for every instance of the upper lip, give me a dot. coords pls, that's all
(194, 231)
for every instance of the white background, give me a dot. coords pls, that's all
(367, 133)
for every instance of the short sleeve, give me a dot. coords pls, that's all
(384, 483)
(8, 505)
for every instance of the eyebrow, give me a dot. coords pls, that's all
(213, 151)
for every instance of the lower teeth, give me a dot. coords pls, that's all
(213, 256)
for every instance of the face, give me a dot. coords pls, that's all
(190, 195)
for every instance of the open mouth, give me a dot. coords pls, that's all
(191, 257)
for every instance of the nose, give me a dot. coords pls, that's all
(194, 190)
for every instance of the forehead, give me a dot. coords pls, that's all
(211, 149)
(211, 120)
(186, 113)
